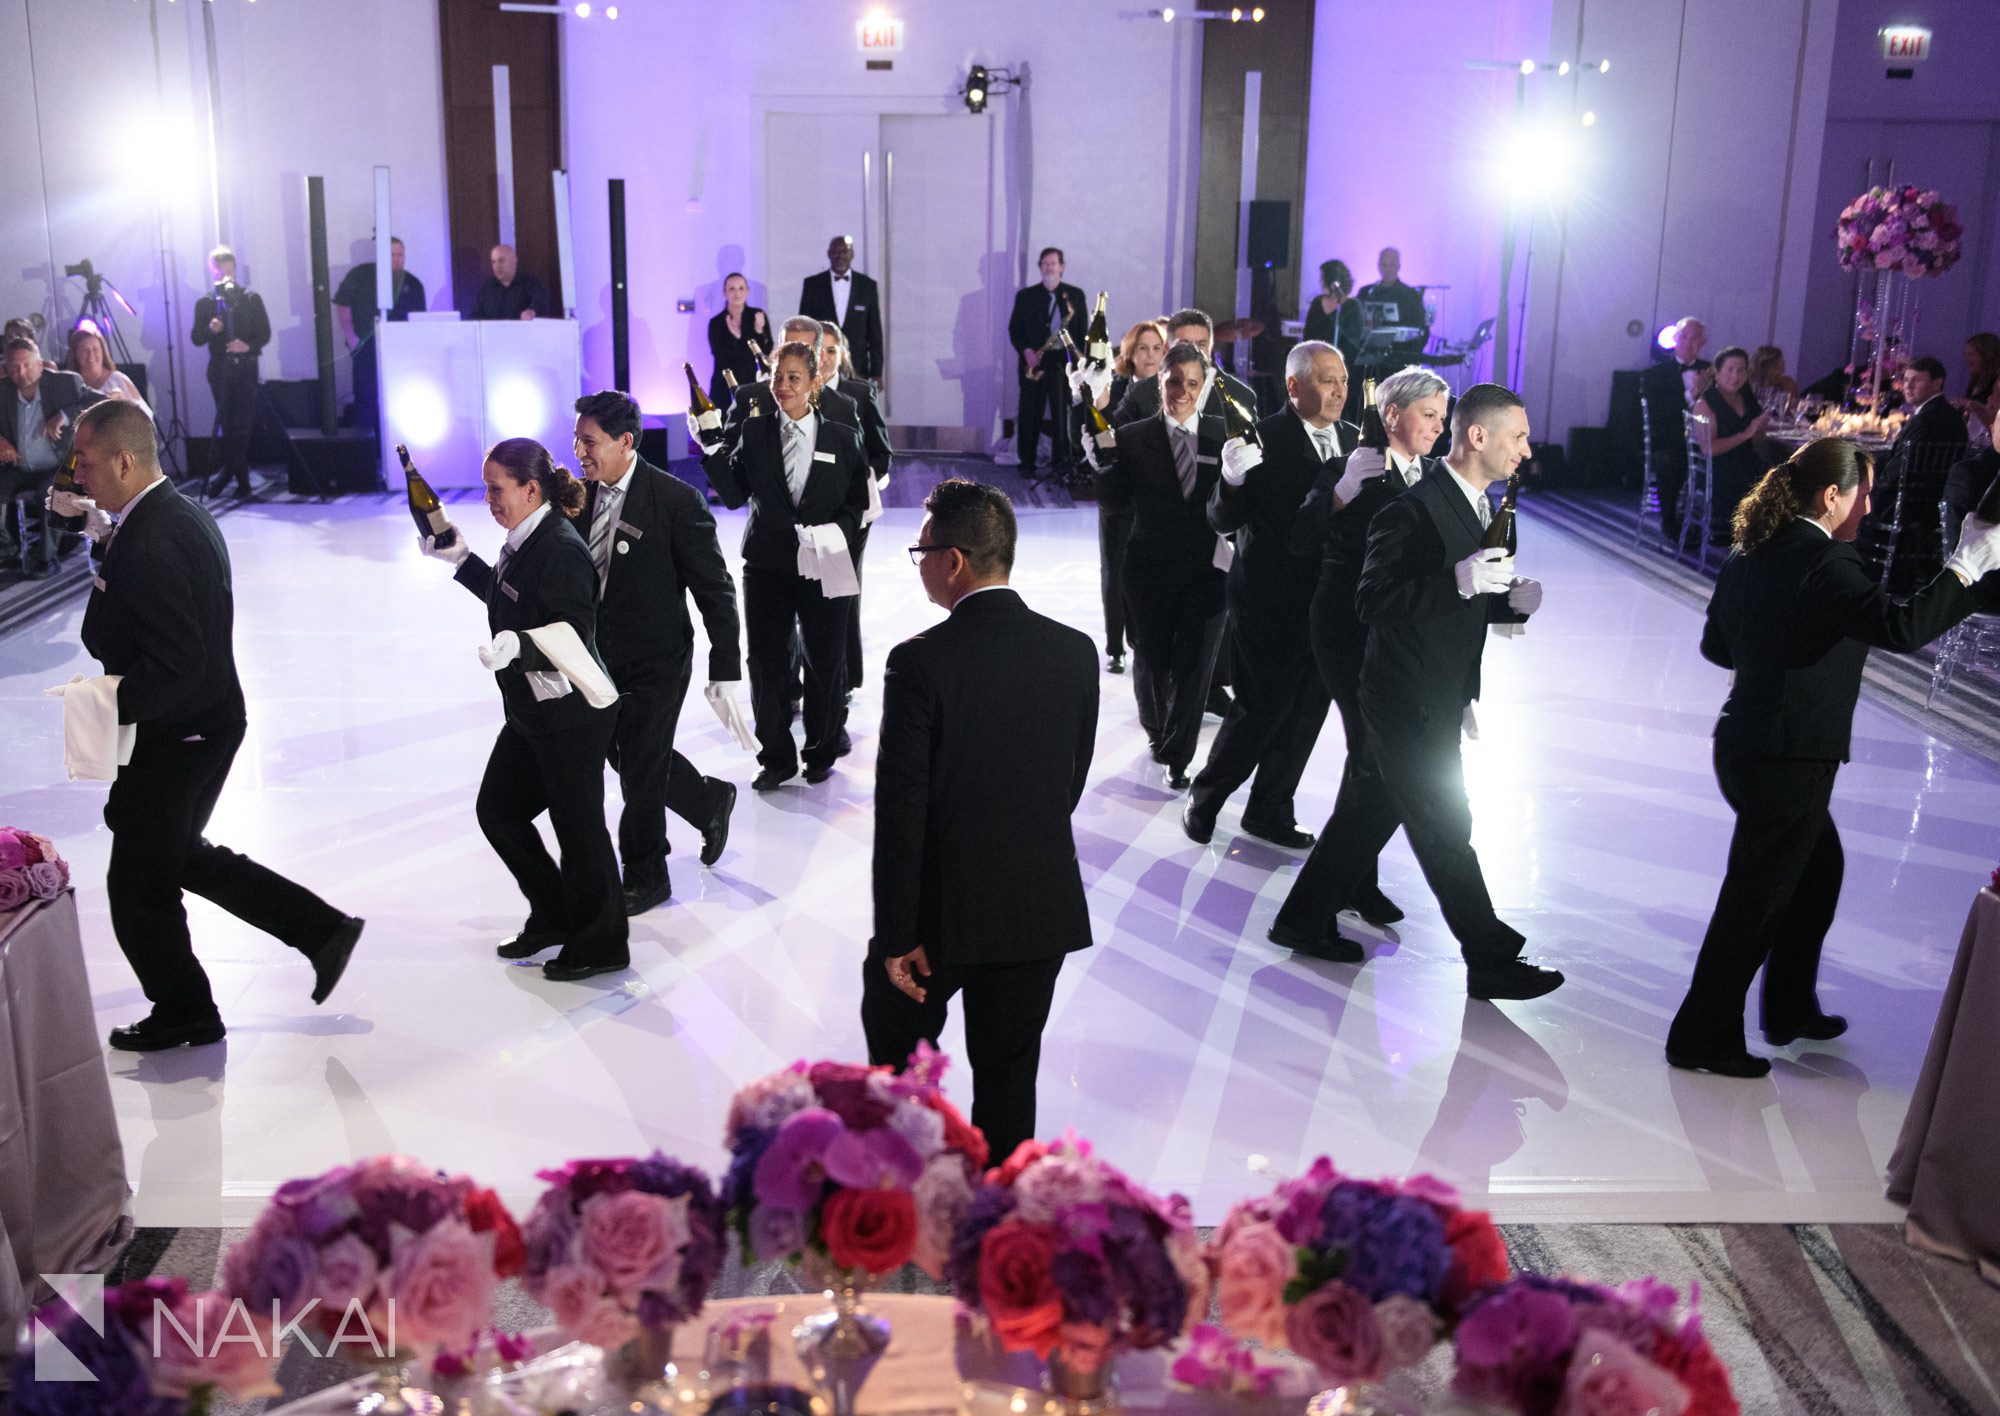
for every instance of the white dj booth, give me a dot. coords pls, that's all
(452, 388)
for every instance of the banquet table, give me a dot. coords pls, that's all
(64, 1199)
(1792, 438)
(1944, 1166)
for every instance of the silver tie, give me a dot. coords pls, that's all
(1184, 459)
(600, 531)
(798, 460)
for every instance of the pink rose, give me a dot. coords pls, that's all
(443, 1287)
(1409, 1331)
(347, 1271)
(635, 1239)
(1250, 1283)
(239, 1349)
(14, 891)
(943, 1194)
(575, 1294)
(1334, 1328)
(48, 879)
(1607, 1378)
(13, 850)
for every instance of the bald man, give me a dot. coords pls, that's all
(509, 294)
(1390, 302)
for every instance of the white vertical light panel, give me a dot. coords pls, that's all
(565, 255)
(503, 152)
(384, 296)
(1253, 100)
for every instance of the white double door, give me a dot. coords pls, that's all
(916, 192)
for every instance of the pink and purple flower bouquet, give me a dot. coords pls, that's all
(1559, 1347)
(30, 868)
(163, 1351)
(1901, 229)
(860, 1166)
(1061, 1251)
(1218, 1361)
(385, 1259)
(1359, 1277)
(617, 1247)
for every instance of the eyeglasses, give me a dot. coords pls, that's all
(917, 553)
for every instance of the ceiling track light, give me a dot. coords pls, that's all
(1235, 15)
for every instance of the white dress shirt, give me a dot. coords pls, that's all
(610, 501)
(843, 287)
(1411, 470)
(1482, 508)
(1325, 441)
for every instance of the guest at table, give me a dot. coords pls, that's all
(737, 334)
(1793, 616)
(1964, 485)
(1669, 386)
(1768, 379)
(1982, 386)
(1737, 422)
(1334, 317)
(90, 360)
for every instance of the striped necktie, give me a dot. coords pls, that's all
(609, 499)
(1184, 464)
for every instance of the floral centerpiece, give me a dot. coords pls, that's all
(1559, 1347)
(1070, 1259)
(387, 1260)
(1901, 229)
(1359, 1277)
(162, 1351)
(30, 868)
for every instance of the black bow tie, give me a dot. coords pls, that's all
(840, 277)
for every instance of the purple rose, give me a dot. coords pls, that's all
(775, 1232)
(793, 1171)
(1334, 1328)
(990, 1204)
(1394, 1243)
(845, 1090)
(13, 850)
(550, 1233)
(14, 890)
(738, 1183)
(1085, 1285)
(285, 1272)
(48, 879)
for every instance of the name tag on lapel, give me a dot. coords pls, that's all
(629, 529)
(97, 582)
(1204, 459)
(823, 457)
(509, 591)
(855, 309)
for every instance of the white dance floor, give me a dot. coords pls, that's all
(1191, 1050)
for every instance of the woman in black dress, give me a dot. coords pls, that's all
(1738, 420)
(1794, 613)
(737, 330)
(551, 749)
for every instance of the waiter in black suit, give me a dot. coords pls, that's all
(1793, 616)
(1280, 699)
(1334, 522)
(836, 373)
(988, 721)
(652, 538)
(161, 617)
(1041, 312)
(1669, 387)
(38, 416)
(1427, 594)
(551, 749)
(847, 297)
(232, 322)
(1142, 396)
(1165, 469)
(797, 470)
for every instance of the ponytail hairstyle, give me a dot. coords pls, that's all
(526, 460)
(1791, 489)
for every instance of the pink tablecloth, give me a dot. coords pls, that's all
(64, 1200)
(1946, 1167)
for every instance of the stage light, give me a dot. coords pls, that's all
(610, 12)
(977, 82)
(517, 407)
(1665, 338)
(1604, 66)
(1167, 15)
(1257, 16)
(1538, 162)
(1527, 66)
(418, 414)
(583, 10)
(1562, 68)
(1589, 119)
(1235, 16)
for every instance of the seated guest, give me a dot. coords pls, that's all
(510, 293)
(1932, 422)
(1334, 317)
(1982, 387)
(1911, 482)
(1736, 421)
(1669, 386)
(37, 421)
(90, 360)
(737, 334)
(1768, 378)
(21, 327)
(1964, 485)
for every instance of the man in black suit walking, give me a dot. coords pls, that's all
(1041, 313)
(653, 541)
(1427, 594)
(988, 721)
(37, 420)
(847, 297)
(160, 617)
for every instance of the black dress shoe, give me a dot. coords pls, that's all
(1822, 1027)
(770, 779)
(1178, 779)
(816, 775)
(558, 971)
(638, 901)
(1218, 702)
(149, 1034)
(1290, 837)
(844, 746)
(1330, 946)
(1517, 978)
(1117, 664)
(329, 961)
(1741, 1064)
(715, 835)
(1200, 829)
(528, 943)
(1377, 908)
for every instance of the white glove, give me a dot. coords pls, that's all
(1484, 572)
(1364, 464)
(1524, 596)
(705, 431)
(97, 522)
(721, 696)
(1469, 724)
(1239, 455)
(1978, 552)
(452, 555)
(504, 650)
(1104, 442)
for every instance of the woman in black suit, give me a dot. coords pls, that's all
(551, 750)
(1794, 613)
(737, 334)
(1140, 354)
(796, 470)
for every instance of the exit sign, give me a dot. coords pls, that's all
(1906, 44)
(879, 36)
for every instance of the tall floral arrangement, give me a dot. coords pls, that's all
(1903, 229)
(30, 868)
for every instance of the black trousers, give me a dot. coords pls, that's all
(1775, 906)
(1006, 1008)
(1413, 775)
(1270, 730)
(1176, 630)
(561, 773)
(1114, 529)
(1045, 399)
(1670, 470)
(854, 616)
(652, 777)
(367, 389)
(1340, 642)
(232, 378)
(775, 605)
(157, 811)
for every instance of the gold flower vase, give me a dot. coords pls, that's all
(643, 1371)
(1080, 1379)
(390, 1392)
(841, 1346)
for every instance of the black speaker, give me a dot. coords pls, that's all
(1269, 243)
(322, 284)
(621, 344)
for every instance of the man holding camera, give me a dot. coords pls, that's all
(231, 321)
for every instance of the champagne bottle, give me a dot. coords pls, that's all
(730, 379)
(1238, 422)
(1098, 426)
(763, 369)
(1500, 533)
(707, 416)
(425, 508)
(1373, 433)
(1097, 340)
(1070, 355)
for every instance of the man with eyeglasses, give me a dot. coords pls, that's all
(988, 723)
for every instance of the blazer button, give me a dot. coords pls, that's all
(623, 547)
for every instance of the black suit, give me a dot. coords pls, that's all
(1915, 470)
(1663, 385)
(1114, 529)
(232, 378)
(874, 431)
(863, 325)
(1420, 672)
(659, 548)
(737, 354)
(988, 721)
(550, 752)
(62, 393)
(1173, 591)
(1281, 700)
(162, 616)
(1794, 620)
(1048, 395)
(777, 600)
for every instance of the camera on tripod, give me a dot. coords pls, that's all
(93, 283)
